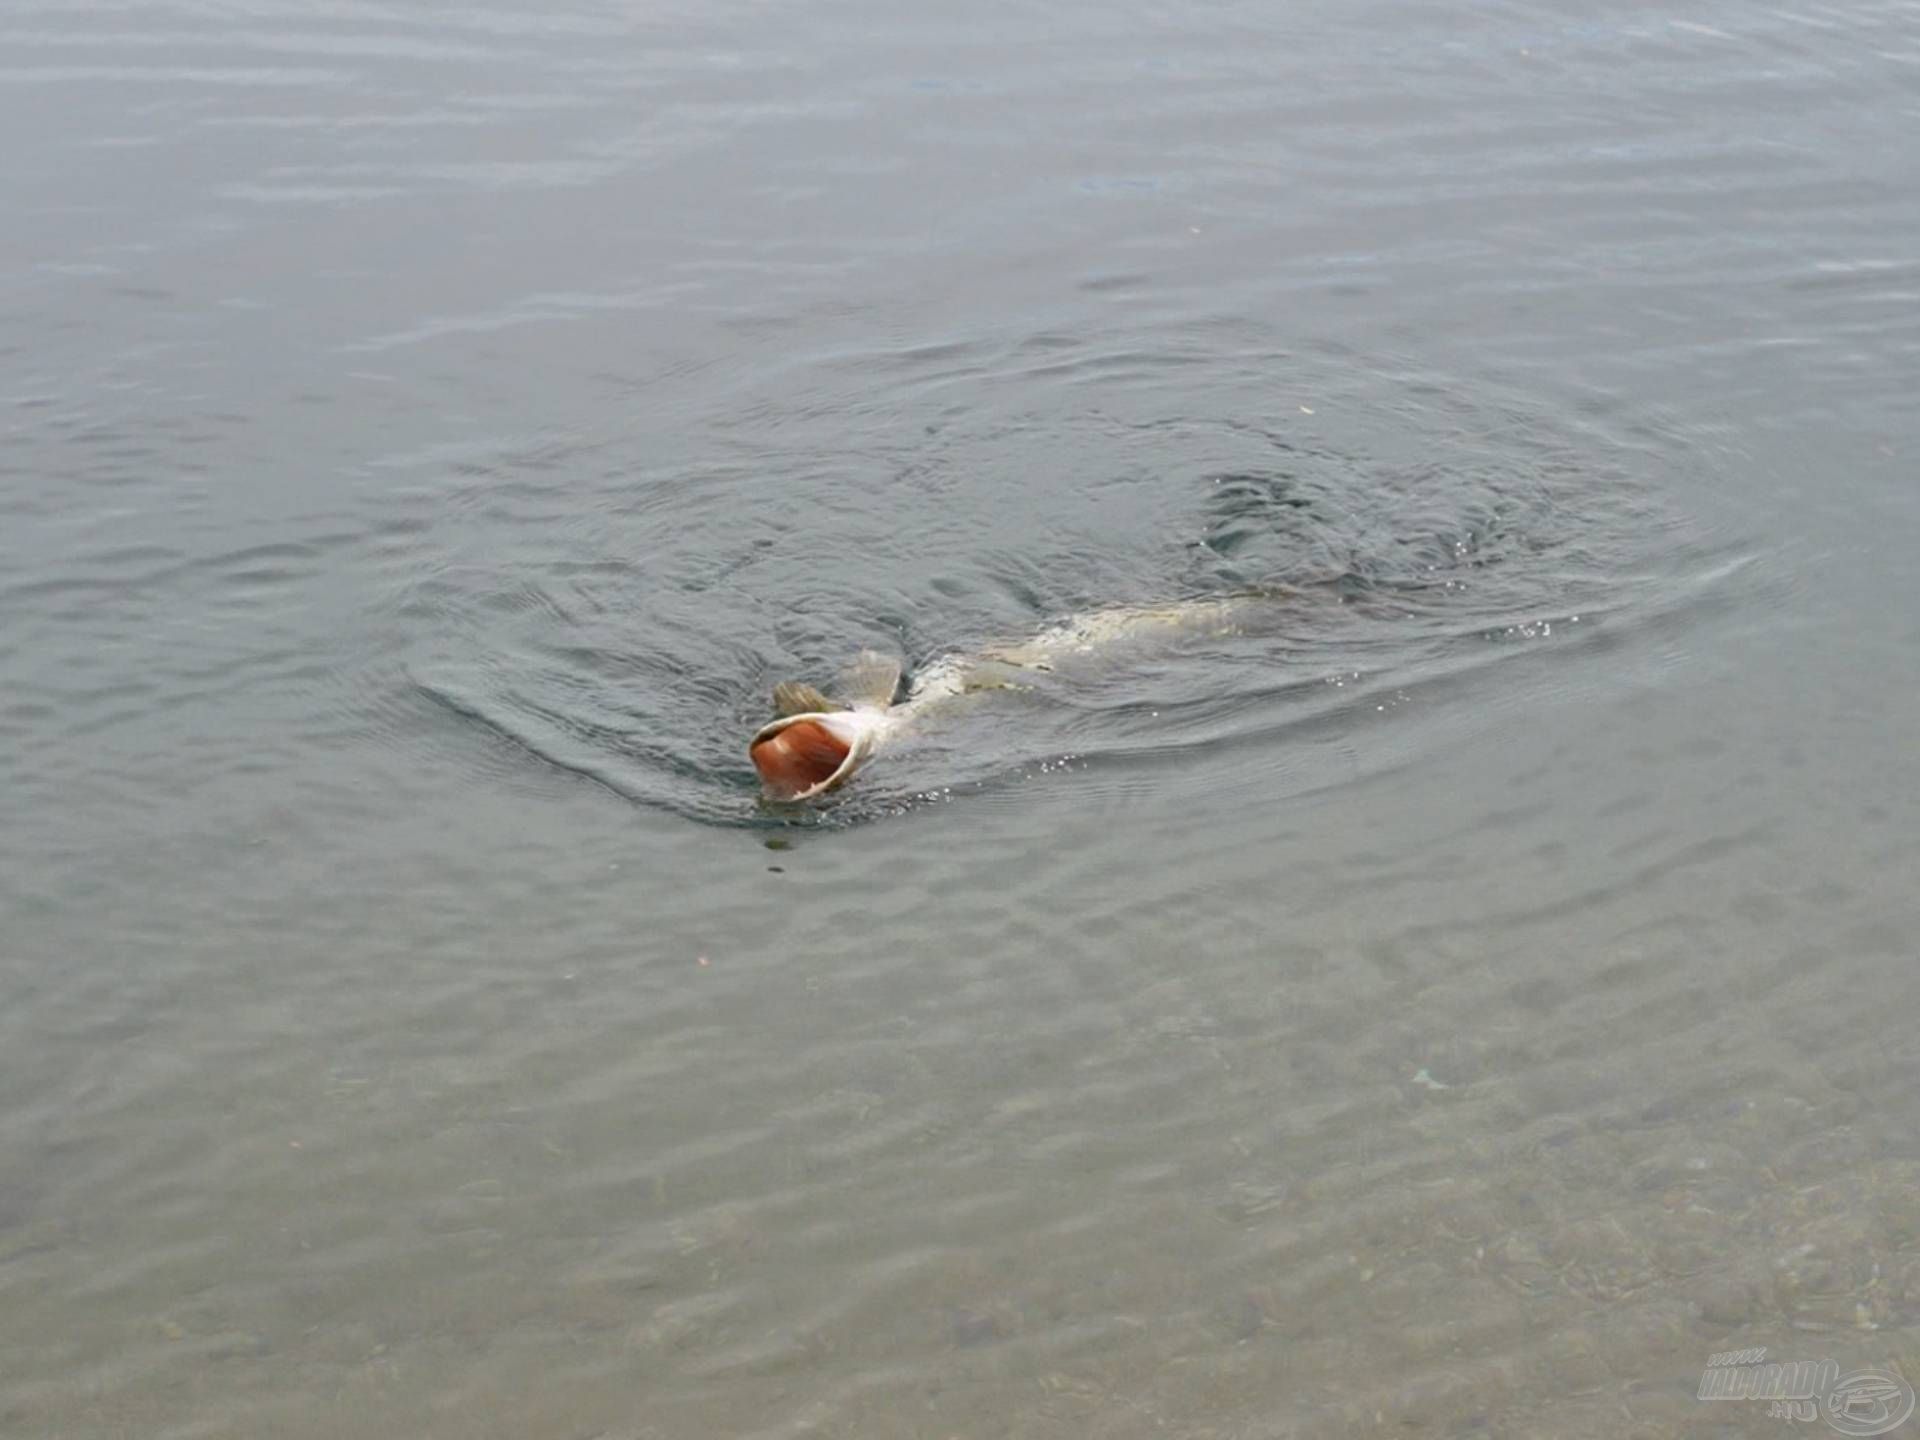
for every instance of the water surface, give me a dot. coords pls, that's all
(1457, 1001)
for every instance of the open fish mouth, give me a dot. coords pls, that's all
(815, 744)
(812, 752)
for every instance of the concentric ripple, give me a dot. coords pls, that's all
(1416, 531)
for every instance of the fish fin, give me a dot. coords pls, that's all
(872, 679)
(795, 697)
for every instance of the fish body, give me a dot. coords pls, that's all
(815, 744)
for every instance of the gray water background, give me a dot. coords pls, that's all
(1456, 1004)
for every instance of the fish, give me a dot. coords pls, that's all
(818, 741)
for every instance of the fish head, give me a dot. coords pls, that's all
(812, 752)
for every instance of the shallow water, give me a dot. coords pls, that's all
(1457, 1000)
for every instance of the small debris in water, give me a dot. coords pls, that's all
(703, 960)
(1422, 1077)
(778, 842)
(969, 1328)
(777, 869)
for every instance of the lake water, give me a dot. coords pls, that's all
(1458, 1002)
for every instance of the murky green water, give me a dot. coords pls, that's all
(1458, 1002)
